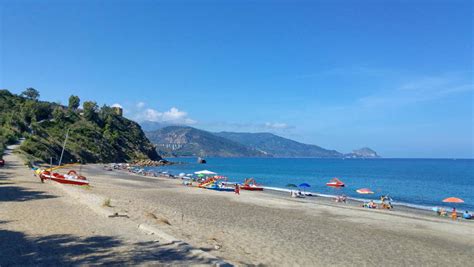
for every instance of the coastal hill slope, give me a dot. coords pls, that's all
(95, 134)
(179, 141)
(182, 141)
(278, 146)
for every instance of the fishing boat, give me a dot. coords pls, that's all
(70, 178)
(251, 185)
(335, 183)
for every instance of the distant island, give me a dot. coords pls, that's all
(364, 152)
(185, 141)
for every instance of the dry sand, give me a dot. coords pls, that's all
(273, 229)
(250, 229)
(41, 224)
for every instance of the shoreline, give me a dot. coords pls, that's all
(422, 185)
(317, 198)
(405, 205)
(261, 228)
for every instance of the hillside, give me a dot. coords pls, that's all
(279, 146)
(187, 141)
(178, 141)
(95, 134)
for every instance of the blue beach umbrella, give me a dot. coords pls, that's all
(303, 185)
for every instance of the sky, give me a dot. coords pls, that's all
(396, 76)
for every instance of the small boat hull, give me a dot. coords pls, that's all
(251, 188)
(219, 188)
(64, 179)
(335, 184)
(70, 181)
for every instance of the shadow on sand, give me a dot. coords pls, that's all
(16, 249)
(17, 193)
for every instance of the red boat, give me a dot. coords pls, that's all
(251, 185)
(335, 183)
(70, 178)
(2, 162)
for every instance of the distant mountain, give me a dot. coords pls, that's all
(278, 146)
(149, 126)
(179, 141)
(364, 152)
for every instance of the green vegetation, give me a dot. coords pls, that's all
(95, 134)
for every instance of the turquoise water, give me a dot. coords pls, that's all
(410, 181)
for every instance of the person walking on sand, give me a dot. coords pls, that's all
(454, 214)
(237, 189)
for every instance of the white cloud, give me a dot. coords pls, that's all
(276, 125)
(116, 105)
(141, 105)
(173, 115)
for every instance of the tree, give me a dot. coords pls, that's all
(90, 110)
(58, 114)
(31, 93)
(74, 102)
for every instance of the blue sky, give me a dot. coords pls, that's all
(396, 76)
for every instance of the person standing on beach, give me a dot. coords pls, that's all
(454, 214)
(237, 189)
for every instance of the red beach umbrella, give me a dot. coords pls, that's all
(364, 191)
(453, 200)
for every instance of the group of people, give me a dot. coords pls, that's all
(371, 205)
(385, 203)
(298, 194)
(342, 199)
(454, 214)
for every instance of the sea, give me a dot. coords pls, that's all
(417, 183)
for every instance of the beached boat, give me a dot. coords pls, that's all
(251, 185)
(70, 178)
(335, 183)
(220, 187)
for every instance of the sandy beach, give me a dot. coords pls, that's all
(252, 228)
(44, 225)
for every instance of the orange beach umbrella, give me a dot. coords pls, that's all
(453, 200)
(364, 191)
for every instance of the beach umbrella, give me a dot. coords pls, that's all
(364, 191)
(201, 175)
(453, 200)
(206, 172)
(303, 185)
